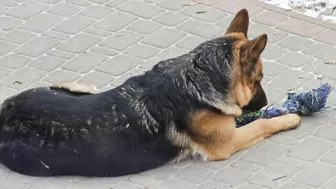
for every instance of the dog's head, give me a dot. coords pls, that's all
(247, 90)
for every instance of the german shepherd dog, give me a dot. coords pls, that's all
(183, 107)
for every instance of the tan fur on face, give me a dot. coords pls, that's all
(242, 87)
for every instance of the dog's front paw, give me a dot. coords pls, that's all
(290, 121)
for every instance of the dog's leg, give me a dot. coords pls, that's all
(76, 87)
(258, 130)
(237, 139)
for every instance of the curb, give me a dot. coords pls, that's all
(293, 14)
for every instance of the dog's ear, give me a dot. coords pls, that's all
(239, 23)
(251, 50)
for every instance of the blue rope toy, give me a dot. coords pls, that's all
(302, 104)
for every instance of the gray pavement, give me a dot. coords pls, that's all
(103, 42)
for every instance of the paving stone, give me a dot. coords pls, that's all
(201, 29)
(304, 150)
(245, 165)
(273, 35)
(173, 5)
(330, 185)
(119, 65)
(15, 180)
(234, 6)
(115, 22)
(90, 183)
(296, 79)
(3, 9)
(315, 174)
(231, 176)
(161, 173)
(300, 132)
(172, 52)
(104, 51)
(159, 39)
(300, 27)
(319, 118)
(83, 3)
(273, 175)
(204, 13)
(327, 70)
(181, 164)
(56, 35)
(290, 141)
(269, 18)
(84, 62)
(144, 26)
(46, 63)
(60, 76)
(27, 10)
(8, 3)
(41, 23)
(37, 46)
(18, 36)
(6, 47)
(5, 72)
(273, 68)
(142, 51)
(144, 181)
(194, 173)
(26, 75)
(170, 18)
(190, 42)
(209, 2)
(176, 184)
(295, 59)
(51, 183)
(330, 156)
(60, 54)
(74, 24)
(79, 43)
(212, 185)
(265, 153)
(14, 61)
(96, 11)
(98, 32)
(48, 1)
(326, 132)
(225, 22)
(148, 64)
(273, 95)
(292, 185)
(64, 9)
(125, 40)
(114, 3)
(272, 52)
(328, 36)
(120, 80)
(298, 164)
(139, 8)
(250, 186)
(296, 43)
(5, 92)
(7, 23)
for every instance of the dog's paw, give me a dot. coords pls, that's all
(290, 121)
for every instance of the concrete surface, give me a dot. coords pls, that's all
(103, 42)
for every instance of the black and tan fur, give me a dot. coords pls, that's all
(183, 107)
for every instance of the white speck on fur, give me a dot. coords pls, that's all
(127, 125)
(45, 165)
